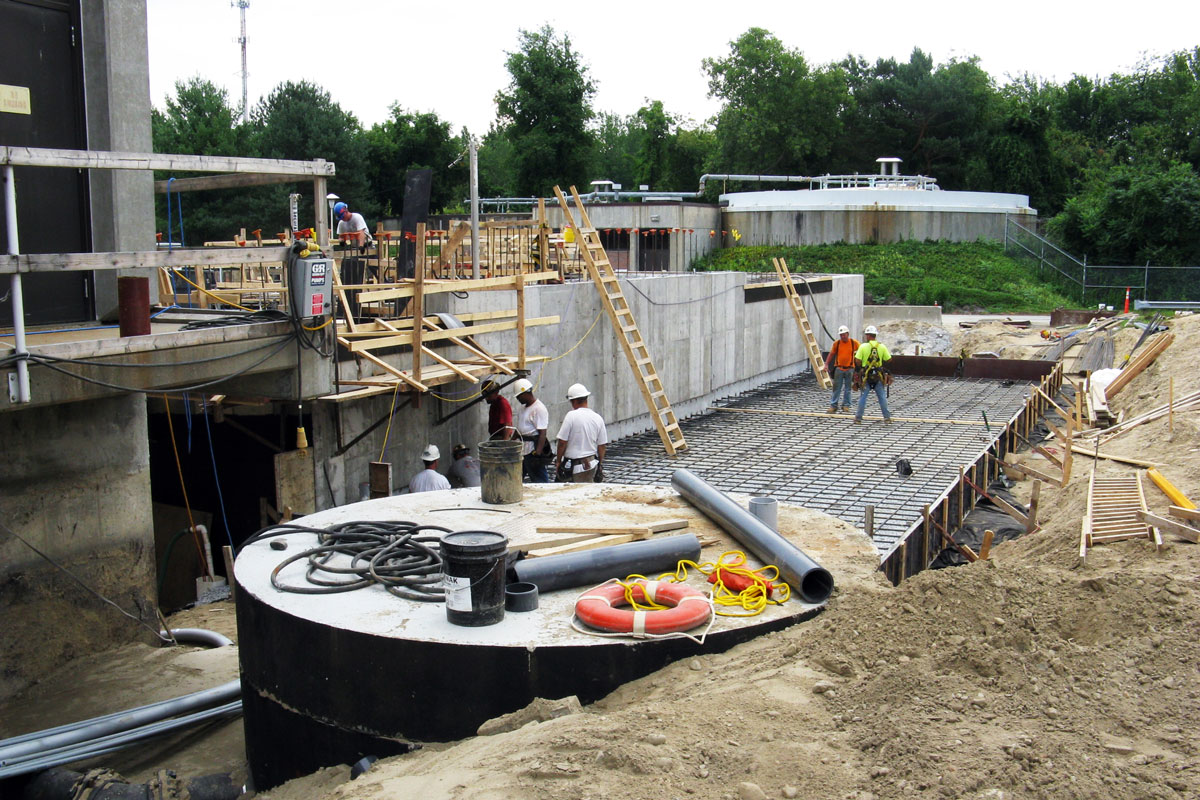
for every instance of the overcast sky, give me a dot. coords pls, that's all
(449, 57)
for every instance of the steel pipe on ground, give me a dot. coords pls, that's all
(809, 579)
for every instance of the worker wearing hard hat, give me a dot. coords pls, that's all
(840, 366)
(532, 421)
(351, 227)
(429, 479)
(500, 418)
(872, 374)
(582, 440)
(464, 471)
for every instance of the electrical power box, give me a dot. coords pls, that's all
(311, 285)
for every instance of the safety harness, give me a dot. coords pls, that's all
(873, 367)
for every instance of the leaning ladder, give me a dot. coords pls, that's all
(806, 333)
(619, 313)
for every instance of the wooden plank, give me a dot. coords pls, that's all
(112, 159)
(598, 530)
(1134, 368)
(1177, 497)
(1184, 513)
(985, 549)
(401, 339)
(177, 258)
(507, 282)
(826, 415)
(1032, 472)
(234, 181)
(588, 544)
(1034, 498)
(295, 481)
(1091, 453)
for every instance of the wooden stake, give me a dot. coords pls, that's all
(985, 549)
(1171, 404)
(869, 521)
(1034, 496)
(227, 555)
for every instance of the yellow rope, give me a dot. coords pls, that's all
(391, 415)
(589, 331)
(753, 599)
(210, 294)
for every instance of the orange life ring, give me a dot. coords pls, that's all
(598, 608)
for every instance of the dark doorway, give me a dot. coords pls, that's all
(42, 45)
(655, 252)
(616, 245)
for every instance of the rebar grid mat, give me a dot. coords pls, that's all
(827, 462)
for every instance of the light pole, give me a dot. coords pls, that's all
(330, 199)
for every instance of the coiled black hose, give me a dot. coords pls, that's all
(390, 553)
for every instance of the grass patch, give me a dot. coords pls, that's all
(975, 276)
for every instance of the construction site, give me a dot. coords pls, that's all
(215, 582)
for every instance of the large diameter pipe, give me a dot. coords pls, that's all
(812, 581)
(589, 567)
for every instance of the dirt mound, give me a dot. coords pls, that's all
(993, 336)
(904, 336)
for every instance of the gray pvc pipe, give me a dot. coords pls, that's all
(76, 732)
(589, 567)
(809, 579)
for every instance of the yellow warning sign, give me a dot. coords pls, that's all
(15, 99)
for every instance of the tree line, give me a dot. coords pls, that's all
(1110, 163)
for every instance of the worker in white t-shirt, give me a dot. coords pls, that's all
(582, 439)
(429, 479)
(532, 422)
(351, 227)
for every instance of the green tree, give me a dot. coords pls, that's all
(198, 120)
(497, 171)
(616, 144)
(546, 108)
(408, 140)
(301, 121)
(778, 115)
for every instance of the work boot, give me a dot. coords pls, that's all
(858, 419)
(833, 409)
(887, 419)
(845, 409)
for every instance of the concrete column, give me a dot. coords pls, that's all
(116, 77)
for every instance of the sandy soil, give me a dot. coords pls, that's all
(1029, 675)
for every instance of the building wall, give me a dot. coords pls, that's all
(695, 226)
(706, 341)
(861, 226)
(75, 483)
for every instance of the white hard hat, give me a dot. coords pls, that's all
(872, 330)
(522, 386)
(577, 391)
(842, 330)
(430, 453)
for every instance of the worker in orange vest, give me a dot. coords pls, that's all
(840, 366)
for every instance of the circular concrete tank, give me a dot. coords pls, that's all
(327, 679)
(862, 215)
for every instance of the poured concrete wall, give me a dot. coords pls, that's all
(706, 341)
(861, 226)
(877, 315)
(75, 483)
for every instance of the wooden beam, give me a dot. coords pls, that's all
(1170, 526)
(464, 285)
(177, 258)
(235, 181)
(1034, 497)
(1031, 472)
(1184, 513)
(1091, 453)
(1138, 364)
(109, 159)
(400, 339)
(826, 415)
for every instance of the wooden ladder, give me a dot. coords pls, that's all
(619, 313)
(1114, 509)
(806, 333)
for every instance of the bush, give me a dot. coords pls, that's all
(951, 274)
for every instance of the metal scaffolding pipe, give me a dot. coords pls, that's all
(812, 581)
(18, 298)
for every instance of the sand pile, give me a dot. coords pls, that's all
(903, 336)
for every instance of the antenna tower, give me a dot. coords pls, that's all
(243, 5)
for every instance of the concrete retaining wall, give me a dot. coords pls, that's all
(706, 341)
(75, 483)
(877, 315)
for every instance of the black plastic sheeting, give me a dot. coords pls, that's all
(984, 517)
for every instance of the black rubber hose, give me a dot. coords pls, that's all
(61, 784)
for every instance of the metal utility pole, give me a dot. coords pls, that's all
(243, 5)
(474, 150)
